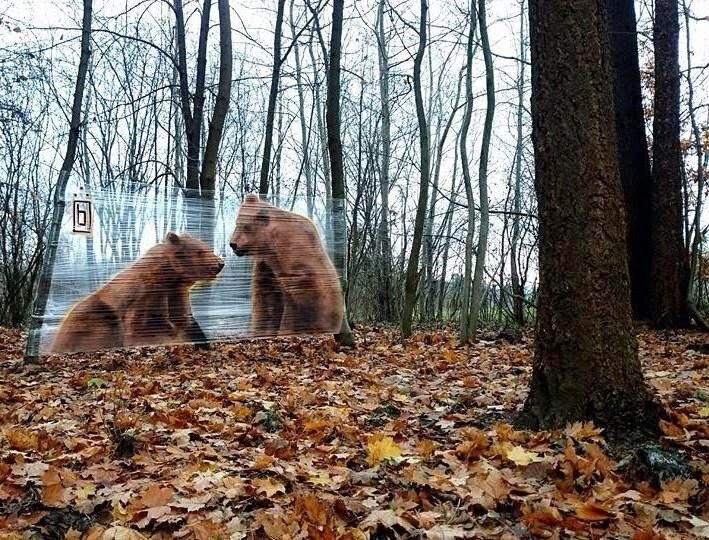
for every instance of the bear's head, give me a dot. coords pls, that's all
(191, 259)
(249, 236)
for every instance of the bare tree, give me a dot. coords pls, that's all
(221, 104)
(412, 269)
(192, 117)
(334, 143)
(384, 243)
(517, 289)
(304, 132)
(272, 97)
(467, 181)
(481, 252)
(45, 279)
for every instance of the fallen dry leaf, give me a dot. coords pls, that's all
(268, 486)
(381, 447)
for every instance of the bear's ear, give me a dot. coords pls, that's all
(262, 218)
(172, 238)
(251, 197)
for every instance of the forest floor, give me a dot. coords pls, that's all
(295, 439)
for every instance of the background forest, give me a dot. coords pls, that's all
(152, 86)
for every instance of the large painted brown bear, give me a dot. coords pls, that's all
(294, 286)
(147, 303)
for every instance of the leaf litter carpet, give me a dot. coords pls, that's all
(297, 439)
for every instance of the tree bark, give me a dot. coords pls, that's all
(517, 289)
(385, 272)
(45, 280)
(478, 286)
(412, 268)
(695, 238)
(429, 300)
(192, 118)
(334, 144)
(272, 96)
(670, 272)
(467, 182)
(304, 129)
(221, 104)
(586, 363)
(633, 158)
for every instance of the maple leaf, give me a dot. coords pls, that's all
(590, 511)
(385, 518)
(582, 430)
(156, 496)
(519, 456)
(21, 439)
(671, 430)
(446, 532)
(678, 489)
(474, 444)
(381, 447)
(53, 492)
(312, 508)
(268, 486)
(273, 523)
(122, 533)
(206, 529)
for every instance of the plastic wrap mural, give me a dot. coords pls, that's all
(151, 268)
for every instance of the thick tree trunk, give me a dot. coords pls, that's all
(478, 286)
(272, 96)
(633, 159)
(412, 268)
(670, 272)
(586, 364)
(221, 104)
(45, 279)
(334, 144)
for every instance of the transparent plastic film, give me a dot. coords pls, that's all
(156, 267)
